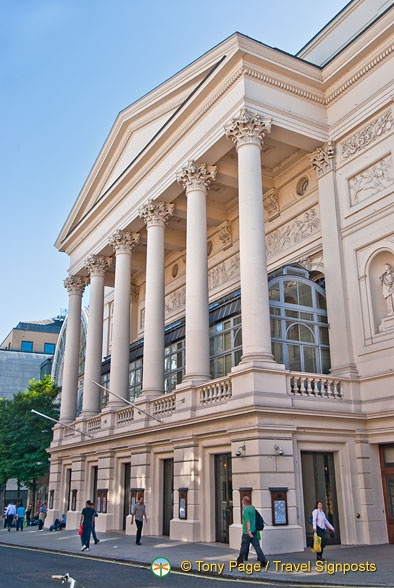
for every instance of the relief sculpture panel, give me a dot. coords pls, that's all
(371, 181)
(302, 227)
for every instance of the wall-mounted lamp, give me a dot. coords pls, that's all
(240, 451)
(278, 449)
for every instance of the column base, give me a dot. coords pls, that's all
(259, 361)
(276, 540)
(345, 371)
(387, 323)
(147, 395)
(181, 530)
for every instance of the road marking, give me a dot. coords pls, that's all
(236, 579)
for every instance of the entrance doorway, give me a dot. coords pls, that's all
(387, 465)
(126, 493)
(168, 494)
(318, 480)
(223, 496)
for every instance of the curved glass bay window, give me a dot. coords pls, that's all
(225, 346)
(299, 327)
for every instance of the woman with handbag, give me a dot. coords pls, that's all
(320, 524)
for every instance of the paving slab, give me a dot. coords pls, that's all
(373, 565)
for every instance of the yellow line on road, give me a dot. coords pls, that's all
(180, 573)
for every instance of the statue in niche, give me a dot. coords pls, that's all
(387, 281)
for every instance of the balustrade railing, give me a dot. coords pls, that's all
(124, 416)
(165, 405)
(315, 385)
(215, 391)
(94, 424)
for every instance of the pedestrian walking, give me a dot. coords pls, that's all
(42, 516)
(249, 533)
(139, 512)
(10, 515)
(320, 524)
(87, 516)
(20, 517)
(94, 526)
(28, 514)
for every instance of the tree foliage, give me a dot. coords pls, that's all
(24, 436)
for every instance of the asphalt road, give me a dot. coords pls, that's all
(24, 567)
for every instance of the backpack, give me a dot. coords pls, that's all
(259, 521)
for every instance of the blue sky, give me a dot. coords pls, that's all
(67, 67)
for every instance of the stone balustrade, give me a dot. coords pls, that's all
(94, 424)
(124, 416)
(215, 391)
(314, 385)
(164, 405)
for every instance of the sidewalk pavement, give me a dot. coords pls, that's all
(118, 546)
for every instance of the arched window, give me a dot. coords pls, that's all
(299, 327)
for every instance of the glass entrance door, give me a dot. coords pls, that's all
(223, 496)
(387, 465)
(168, 494)
(318, 480)
(126, 493)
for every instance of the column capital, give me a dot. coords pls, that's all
(75, 285)
(247, 127)
(96, 265)
(323, 159)
(156, 213)
(124, 241)
(196, 176)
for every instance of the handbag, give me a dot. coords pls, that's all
(316, 547)
(80, 530)
(259, 521)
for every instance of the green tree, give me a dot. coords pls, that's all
(27, 436)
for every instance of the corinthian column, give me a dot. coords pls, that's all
(247, 130)
(124, 244)
(155, 215)
(196, 179)
(75, 287)
(97, 267)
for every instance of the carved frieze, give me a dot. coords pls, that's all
(371, 181)
(225, 234)
(299, 229)
(271, 204)
(323, 159)
(376, 128)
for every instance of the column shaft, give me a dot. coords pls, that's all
(68, 404)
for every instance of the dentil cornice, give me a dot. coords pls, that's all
(156, 213)
(323, 159)
(96, 265)
(247, 127)
(75, 285)
(124, 241)
(196, 176)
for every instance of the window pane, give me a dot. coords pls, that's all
(322, 318)
(293, 332)
(306, 334)
(290, 292)
(173, 364)
(167, 362)
(237, 320)
(294, 354)
(238, 338)
(220, 367)
(321, 301)
(49, 348)
(325, 360)
(388, 457)
(276, 328)
(228, 363)
(274, 292)
(307, 316)
(219, 344)
(179, 360)
(138, 376)
(324, 336)
(291, 313)
(275, 310)
(219, 328)
(277, 351)
(27, 346)
(227, 341)
(310, 359)
(227, 325)
(179, 377)
(212, 346)
(237, 357)
(212, 368)
(304, 294)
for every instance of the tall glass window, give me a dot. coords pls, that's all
(174, 363)
(225, 346)
(299, 328)
(135, 379)
(104, 393)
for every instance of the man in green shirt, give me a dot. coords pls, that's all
(249, 533)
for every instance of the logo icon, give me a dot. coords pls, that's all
(160, 566)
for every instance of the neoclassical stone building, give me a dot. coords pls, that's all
(237, 233)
